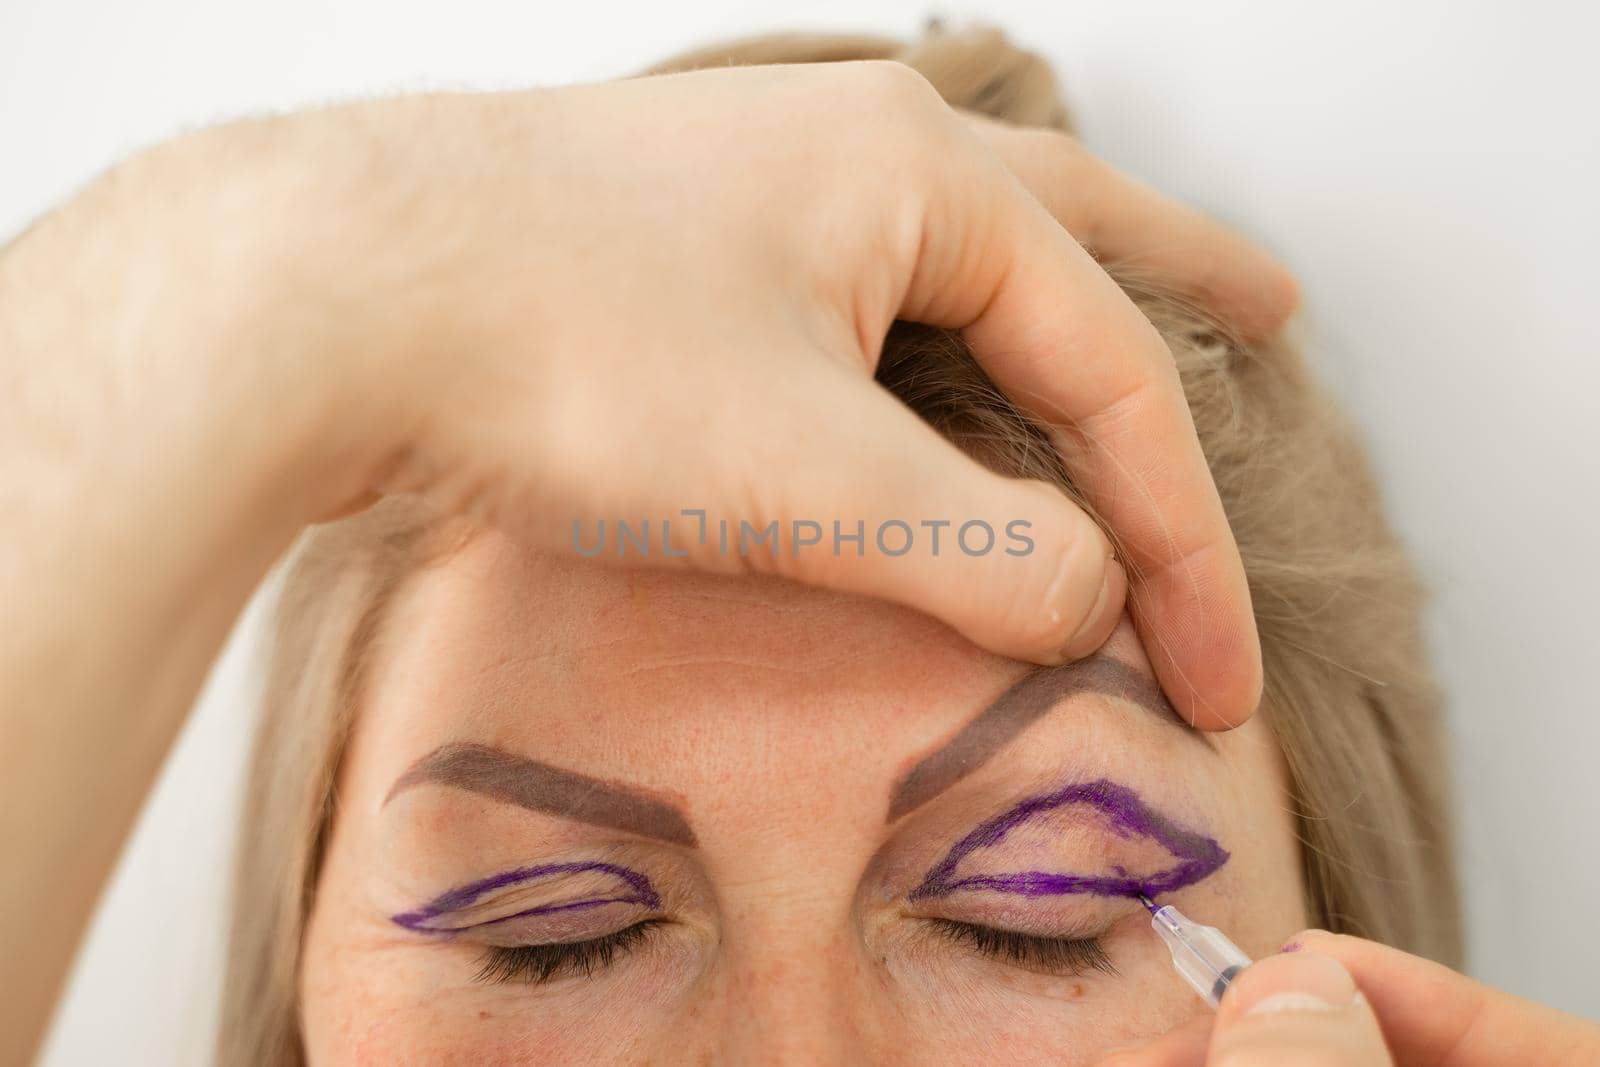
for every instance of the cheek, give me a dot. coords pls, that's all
(1030, 1019)
(382, 1014)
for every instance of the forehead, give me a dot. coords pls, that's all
(670, 679)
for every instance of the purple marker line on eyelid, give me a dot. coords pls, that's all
(456, 899)
(1200, 856)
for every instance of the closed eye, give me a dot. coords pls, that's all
(1070, 956)
(534, 964)
(1196, 855)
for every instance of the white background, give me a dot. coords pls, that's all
(1428, 169)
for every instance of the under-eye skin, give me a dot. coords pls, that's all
(1068, 956)
(534, 964)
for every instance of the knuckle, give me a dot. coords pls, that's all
(882, 109)
(917, 119)
(893, 82)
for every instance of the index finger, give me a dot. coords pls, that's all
(1066, 344)
(1125, 223)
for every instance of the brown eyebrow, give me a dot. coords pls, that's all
(1028, 700)
(537, 786)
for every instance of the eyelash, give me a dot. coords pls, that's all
(1057, 955)
(534, 964)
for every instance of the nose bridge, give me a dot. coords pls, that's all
(805, 998)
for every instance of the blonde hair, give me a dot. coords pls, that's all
(1348, 689)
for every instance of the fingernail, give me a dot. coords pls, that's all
(1094, 629)
(1293, 1000)
(1300, 982)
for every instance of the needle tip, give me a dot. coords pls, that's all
(1147, 902)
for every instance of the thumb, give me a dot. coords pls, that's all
(1012, 564)
(1296, 1008)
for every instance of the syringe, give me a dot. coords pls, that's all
(1205, 958)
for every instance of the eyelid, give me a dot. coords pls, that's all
(537, 964)
(558, 888)
(1071, 956)
(1195, 855)
(1061, 918)
(562, 914)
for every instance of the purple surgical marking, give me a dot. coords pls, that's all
(641, 892)
(1199, 855)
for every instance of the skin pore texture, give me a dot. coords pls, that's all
(792, 821)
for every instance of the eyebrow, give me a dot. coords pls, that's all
(537, 786)
(1033, 696)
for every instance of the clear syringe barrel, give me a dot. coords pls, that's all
(1202, 954)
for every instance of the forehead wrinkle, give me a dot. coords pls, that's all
(770, 637)
(757, 664)
(1029, 699)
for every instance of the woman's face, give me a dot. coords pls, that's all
(594, 816)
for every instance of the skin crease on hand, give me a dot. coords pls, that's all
(779, 720)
